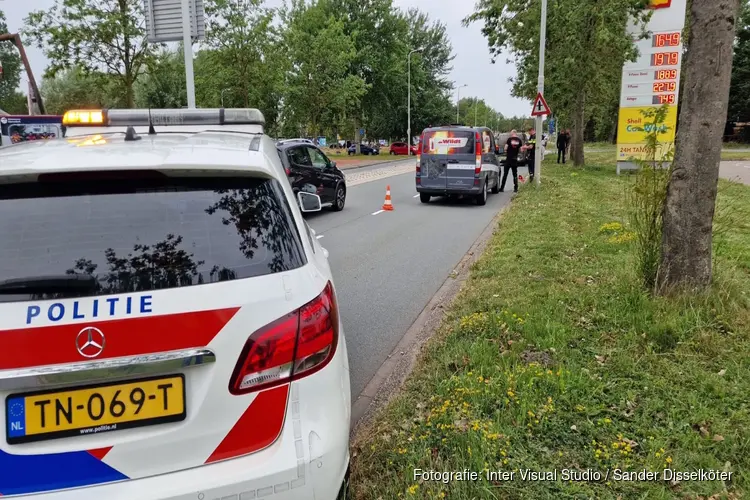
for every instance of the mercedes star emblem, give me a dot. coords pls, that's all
(90, 342)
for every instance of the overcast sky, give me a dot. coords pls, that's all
(471, 66)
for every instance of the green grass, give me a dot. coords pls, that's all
(734, 155)
(552, 357)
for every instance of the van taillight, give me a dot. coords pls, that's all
(292, 347)
(478, 153)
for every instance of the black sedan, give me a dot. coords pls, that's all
(310, 170)
(364, 149)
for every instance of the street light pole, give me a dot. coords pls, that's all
(408, 99)
(540, 88)
(222, 96)
(476, 103)
(458, 100)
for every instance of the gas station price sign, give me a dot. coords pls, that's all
(665, 59)
(664, 99)
(667, 39)
(665, 74)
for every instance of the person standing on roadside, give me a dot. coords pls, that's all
(562, 145)
(530, 148)
(512, 148)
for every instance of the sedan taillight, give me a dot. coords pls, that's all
(294, 346)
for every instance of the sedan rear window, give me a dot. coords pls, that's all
(448, 142)
(145, 233)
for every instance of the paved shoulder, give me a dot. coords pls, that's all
(736, 171)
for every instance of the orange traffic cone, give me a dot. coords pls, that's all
(388, 205)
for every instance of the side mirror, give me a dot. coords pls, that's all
(333, 164)
(309, 202)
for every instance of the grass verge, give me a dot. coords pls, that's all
(553, 358)
(728, 153)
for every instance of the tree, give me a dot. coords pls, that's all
(74, 88)
(474, 110)
(691, 191)
(739, 90)
(98, 36)
(240, 58)
(163, 84)
(585, 49)
(11, 100)
(319, 88)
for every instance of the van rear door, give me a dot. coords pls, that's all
(448, 159)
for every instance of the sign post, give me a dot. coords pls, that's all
(174, 21)
(540, 88)
(651, 81)
(539, 111)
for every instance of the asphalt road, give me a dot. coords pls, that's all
(388, 265)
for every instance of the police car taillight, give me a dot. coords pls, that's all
(289, 348)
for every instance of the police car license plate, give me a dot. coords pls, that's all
(93, 409)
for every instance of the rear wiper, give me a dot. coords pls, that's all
(49, 284)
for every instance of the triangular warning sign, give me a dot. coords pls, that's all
(540, 106)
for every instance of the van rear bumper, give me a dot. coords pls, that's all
(447, 192)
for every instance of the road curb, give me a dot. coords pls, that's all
(400, 362)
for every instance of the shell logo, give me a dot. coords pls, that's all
(660, 4)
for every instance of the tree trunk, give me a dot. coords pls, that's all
(579, 125)
(691, 192)
(129, 94)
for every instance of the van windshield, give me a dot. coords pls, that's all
(448, 142)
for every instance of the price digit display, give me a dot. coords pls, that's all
(664, 87)
(665, 59)
(665, 74)
(666, 39)
(664, 99)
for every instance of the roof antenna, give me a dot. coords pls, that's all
(151, 130)
(131, 135)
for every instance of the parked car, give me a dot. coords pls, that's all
(458, 161)
(299, 140)
(399, 148)
(364, 149)
(310, 171)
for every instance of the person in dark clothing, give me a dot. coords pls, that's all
(512, 148)
(531, 153)
(561, 146)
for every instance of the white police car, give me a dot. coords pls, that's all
(168, 321)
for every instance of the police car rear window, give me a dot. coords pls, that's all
(448, 142)
(145, 233)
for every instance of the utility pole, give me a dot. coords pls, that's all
(408, 99)
(187, 41)
(458, 100)
(540, 88)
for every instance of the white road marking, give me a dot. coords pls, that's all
(416, 196)
(319, 236)
(378, 212)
